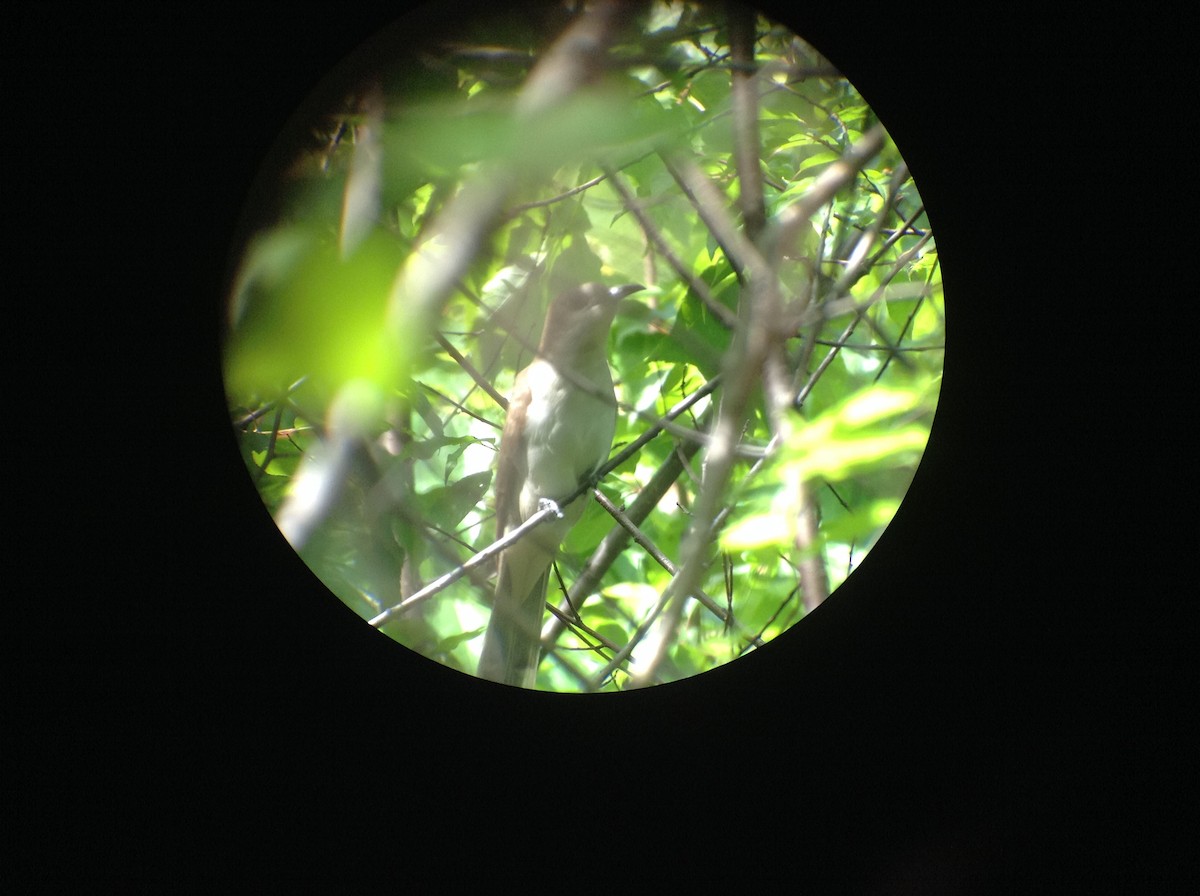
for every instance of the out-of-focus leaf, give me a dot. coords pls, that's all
(318, 315)
(636, 592)
(868, 430)
(759, 530)
(861, 522)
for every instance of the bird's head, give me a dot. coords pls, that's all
(581, 317)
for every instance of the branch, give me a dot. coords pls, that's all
(698, 286)
(550, 510)
(744, 98)
(480, 380)
(702, 209)
(761, 325)
(743, 255)
(456, 237)
(832, 179)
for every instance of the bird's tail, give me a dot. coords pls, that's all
(512, 643)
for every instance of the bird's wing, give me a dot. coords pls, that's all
(512, 465)
(511, 643)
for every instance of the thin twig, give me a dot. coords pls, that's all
(759, 326)
(459, 406)
(549, 511)
(698, 286)
(515, 210)
(663, 560)
(480, 380)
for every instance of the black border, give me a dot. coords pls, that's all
(976, 699)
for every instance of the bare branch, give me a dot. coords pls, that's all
(698, 286)
(480, 380)
(742, 253)
(744, 97)
(715, 227)
(430, 273)
(761, 325)
(548, 510)
(832, 179)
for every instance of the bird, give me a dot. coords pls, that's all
(558, 430)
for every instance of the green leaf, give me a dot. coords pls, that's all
(447, 645)
(449, 504)
(319, 315)
(872, 429)
(697, 336)
(757, 531)
(637, 593)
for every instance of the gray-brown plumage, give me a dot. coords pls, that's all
(558, 431)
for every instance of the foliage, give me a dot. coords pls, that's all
(593, 192)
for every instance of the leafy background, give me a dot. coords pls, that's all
(389, 433)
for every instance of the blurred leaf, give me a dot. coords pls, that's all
(316, 315)
(635, 592)
(756, 531)
(865, 431)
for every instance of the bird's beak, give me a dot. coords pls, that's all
(620, 292)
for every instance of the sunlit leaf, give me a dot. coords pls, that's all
(635, 592)
(866, 431)
(319, 316)
(312, 370)
(759, 530)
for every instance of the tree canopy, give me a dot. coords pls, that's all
(776, 381)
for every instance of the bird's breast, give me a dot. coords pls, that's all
(568, 430)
